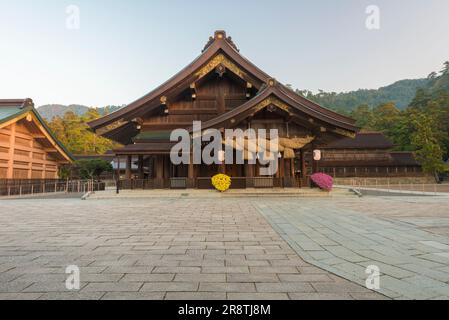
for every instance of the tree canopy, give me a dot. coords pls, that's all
(422, 127)
(72, 130)
(92, 168)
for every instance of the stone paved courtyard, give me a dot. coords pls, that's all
(406, 238)
(224, 248)
(154, 249)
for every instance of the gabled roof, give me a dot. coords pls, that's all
(218, 48)
(219, 44)
(13, 110)
(386, 159)
(276, 91)
(10, 108)
(363, 140)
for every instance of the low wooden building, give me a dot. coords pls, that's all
(28, 149)
(369, 154)
(223, 90)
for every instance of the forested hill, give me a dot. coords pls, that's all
(50, 111)
(401, 93)
(439, 82)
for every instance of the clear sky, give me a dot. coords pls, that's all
(124, 49)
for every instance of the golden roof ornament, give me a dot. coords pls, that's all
(220, 35)
(271, 82)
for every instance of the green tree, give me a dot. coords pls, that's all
(72, 130)
(425, 141)
(445, 68)
(92, 169)
(386, 118)
(364, 117)
(65, 172)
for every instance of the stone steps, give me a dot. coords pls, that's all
(246, 193)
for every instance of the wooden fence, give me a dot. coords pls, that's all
(20, 187)
(206, 183)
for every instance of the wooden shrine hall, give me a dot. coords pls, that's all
(222, 89)
(28, 148)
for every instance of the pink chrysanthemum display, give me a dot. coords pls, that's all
(323, 181)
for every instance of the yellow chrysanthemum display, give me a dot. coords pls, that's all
(221, 182)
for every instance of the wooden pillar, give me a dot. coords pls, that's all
(314, 165)
(287, 167)
(44, 168)
(303, 164)
(30, 164)
(292, 167)
(118, 168)
(249, 170)
(167, 167)
(191, 173)
(141, 173)
(12, 143)
(222, 165)
(129, 159)
(159, 167)
(280, 173)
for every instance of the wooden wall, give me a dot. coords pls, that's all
(215, 95)
(22, 156)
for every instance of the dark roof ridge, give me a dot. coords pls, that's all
(219, 44)
(21, 103)
(273, 88)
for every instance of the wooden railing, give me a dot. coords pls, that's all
(21, 187)
(370, 174)
(206, 183)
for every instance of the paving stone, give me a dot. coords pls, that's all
(311, 270)
(338, 287)
(53, 277)
(195, 296)
(249, 263)
(256, 296)
(227, 287)
(435, 244)
(165, 249)
(203, 263)
(170, 286)
(100, 277)
(200, 277)
(428, 272)
(367, 296)
(320, 296)
(14, 286)
(112, 287)
(20, 296)
(243, 269)
(133, 296)
(284, 287)
(259, 277)
(406, 289)
(396, 272)
(147, 277)
(128, 270)
(187, 270)
(305, 278)
(289, 262)
(71, 296)
(59, 286)
(277, 270)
